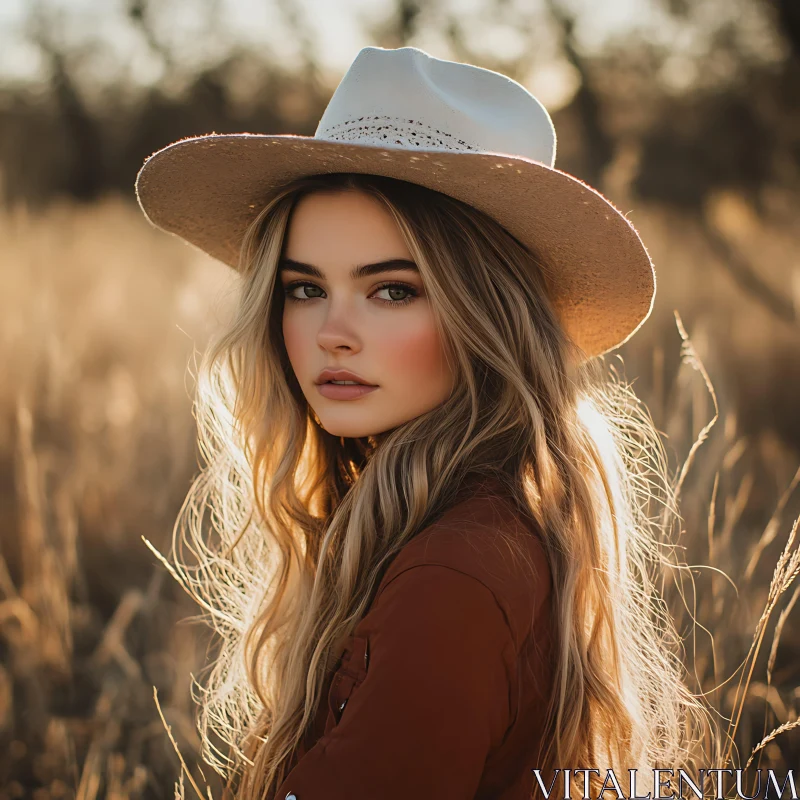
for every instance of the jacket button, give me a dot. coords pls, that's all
(291, 796)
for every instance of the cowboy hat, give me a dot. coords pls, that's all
(468, 132)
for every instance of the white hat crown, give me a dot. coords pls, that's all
(406, 98)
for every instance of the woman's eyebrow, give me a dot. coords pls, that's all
(361, 271)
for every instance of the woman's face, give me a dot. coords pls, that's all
(354, 301)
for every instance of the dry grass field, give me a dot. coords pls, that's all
(100, 316)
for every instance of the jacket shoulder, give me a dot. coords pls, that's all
(486, 537)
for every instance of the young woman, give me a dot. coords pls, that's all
(429, 556)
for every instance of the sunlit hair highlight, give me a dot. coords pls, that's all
(277, 537)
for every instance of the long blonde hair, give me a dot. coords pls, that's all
(286, 559)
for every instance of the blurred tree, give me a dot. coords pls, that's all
(789, 22)
(400, 25)
(140, 13)
(598, 144)
(84, 176)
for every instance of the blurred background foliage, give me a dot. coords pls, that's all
(685, 113)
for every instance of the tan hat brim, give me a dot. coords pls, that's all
(208, 189)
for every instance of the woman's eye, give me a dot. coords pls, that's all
(406, 292)
(290, 291)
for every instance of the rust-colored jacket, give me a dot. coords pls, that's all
(441, 689)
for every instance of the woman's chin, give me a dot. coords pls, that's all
(349, 431)
(356, 428)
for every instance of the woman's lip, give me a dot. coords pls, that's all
(346, 392)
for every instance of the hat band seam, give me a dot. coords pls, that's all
(400, 125)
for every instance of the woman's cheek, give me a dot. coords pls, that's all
(412, 358)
